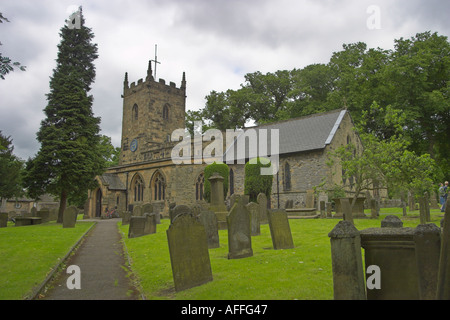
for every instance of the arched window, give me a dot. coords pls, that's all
(199, 187)
(159, 187)
(166, 112)
(135, 112)
(138, 188)
(287, 176)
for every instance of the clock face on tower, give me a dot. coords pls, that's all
(134, 145)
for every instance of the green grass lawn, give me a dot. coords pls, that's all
(28, 254)
(302, 273)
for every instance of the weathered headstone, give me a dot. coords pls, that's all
(189, 254)
(44, 214)
(310, 199)
(347, 210)
(329, 210)
(280, 230)
(427, 238)
(70, 217)
(150, 223)
(322, 209)
(262, 201)
(137, 226)
(346, 261)
(126, 218)
(239, 231)
(209, 221)
(149, 208)
(179, 209)
(373, 209)
(137, 211)
(3, 219)
(254, 210)
(392, 221)
(217, 204)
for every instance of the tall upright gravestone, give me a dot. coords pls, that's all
(70, 217)
(262, 201)
(217, 200)
(280, 230)
(255, 216)
(239, 231)
(189, 254)
(209, 221)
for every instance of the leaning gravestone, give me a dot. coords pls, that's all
(70, 217)
(254, 210)
(280, 230)
(239, 231)
(209, 221)
(188, 250)
(262, 201)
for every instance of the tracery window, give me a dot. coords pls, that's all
(199, 187)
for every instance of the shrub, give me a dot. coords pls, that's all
(255, 183)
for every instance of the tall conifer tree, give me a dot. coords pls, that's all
(69, 157)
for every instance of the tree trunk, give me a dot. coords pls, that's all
(62, 206)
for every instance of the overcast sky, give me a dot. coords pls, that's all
(216, 42)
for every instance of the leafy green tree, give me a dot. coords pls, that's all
(6, 65)
(10, 170)
(109, 153)
(70, 155)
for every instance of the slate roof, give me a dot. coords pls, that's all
(112, 181)
(308, 133)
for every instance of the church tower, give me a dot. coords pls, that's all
(152, 110)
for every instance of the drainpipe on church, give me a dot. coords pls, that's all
(126, 194)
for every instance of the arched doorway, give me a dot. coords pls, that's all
(98, 203)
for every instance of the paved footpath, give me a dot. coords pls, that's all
(102, 268)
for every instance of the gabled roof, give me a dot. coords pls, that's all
(313, 132)
(112, 181)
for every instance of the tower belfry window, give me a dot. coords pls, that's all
(166, 112)
(135, 112)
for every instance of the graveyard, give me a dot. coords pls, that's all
(303, 272)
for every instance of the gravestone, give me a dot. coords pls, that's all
(209, 221)
(3, 219)
(239, 231)
(179, 209)
(322, 209)
(262, 201)
(347, 210)
(329, 210)
(443, 285)
(33, 212)
(189, 254)
(280, 230)
(126, 218)
(346, 262)
(254, 210)
(137, 226)
(392, 221)
(149, 208)
(150, 223)
(310, 199)
(217, 204)
(373, 209)
(137, 211)
(70, 217)
(427, 238)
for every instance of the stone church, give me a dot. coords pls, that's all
(152, 110)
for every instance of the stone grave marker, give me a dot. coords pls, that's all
(44, 214)
(70, 217)
(239, 231)
(254, 210)
(262, 201)
(188, 250)
(310, 199)
(137, 227)
(217, 204)
(137, 211)
(280, 230)
(126, 218)
(3, 219)
(150, 223)
(179, 209)
(209, 221)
